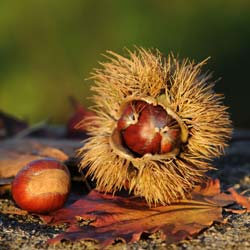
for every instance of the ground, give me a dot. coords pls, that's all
(233, 170)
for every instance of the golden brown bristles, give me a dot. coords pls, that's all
(183, 95)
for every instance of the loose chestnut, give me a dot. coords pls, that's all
(41, 186)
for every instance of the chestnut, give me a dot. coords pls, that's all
(41, 186)
(147, 128)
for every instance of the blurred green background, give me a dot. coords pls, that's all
(48, 48)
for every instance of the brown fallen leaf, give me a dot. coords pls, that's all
(34, 145)
(123, 218)
(16, 154)
(240, 199)
(12, 162)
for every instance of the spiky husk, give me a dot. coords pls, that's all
(187, 92)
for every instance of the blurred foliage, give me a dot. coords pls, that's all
(48, 48)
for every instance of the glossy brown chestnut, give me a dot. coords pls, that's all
(42, 186)
(146, 128)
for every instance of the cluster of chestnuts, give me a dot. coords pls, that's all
(146, 128)
(158, 126)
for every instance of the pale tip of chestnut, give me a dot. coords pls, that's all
(41, 186)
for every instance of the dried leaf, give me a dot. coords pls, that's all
(12, 162)
(240, 199)
(14, 154)
(116, 217)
